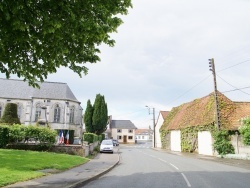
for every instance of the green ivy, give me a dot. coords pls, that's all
(163, 134)
(222, 142)
(245, 131)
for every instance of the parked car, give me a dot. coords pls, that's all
(115, 143)
(106, 146)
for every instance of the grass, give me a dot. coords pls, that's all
(19, 165)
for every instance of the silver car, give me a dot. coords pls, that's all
(106, 146)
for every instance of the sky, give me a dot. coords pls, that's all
(160, 58)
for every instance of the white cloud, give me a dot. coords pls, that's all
(161, 57)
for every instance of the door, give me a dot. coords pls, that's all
(125, 139)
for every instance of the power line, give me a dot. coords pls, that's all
(234, 65)
(232, 85)
(235, 89)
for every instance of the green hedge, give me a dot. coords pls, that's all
(90, 137)
(4, 136)
(20, 133)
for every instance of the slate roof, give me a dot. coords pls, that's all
(18, 89)
(143, 131)
(122, 124)
(200, 112)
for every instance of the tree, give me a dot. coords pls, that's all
(37, 37)
(10, 114)
(100, 115)
(88, 117)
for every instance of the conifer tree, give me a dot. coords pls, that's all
(10, 114)
(88, 117)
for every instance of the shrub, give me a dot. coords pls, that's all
(4, 136)
(222, 142)
(90, 137)
(10, 116)
(245, 131)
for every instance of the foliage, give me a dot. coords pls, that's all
(4, 136)
(163, 135)
(37, 37)
(43, 135)
(18, 165)
(90, 137)
(88, 117)
(245, 131)
(10, 114)
(100, 115)
(222, 142)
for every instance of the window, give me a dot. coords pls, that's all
(57, 111)
(119, 130)
(130, 137)
(142, 137)
(130, 130)
(139, 137)
(38, 112)
(71, 115)
(119, 137)
(19, 110)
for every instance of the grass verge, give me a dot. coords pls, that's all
(19, 165)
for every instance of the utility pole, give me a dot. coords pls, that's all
(212, 68)
(153, 124)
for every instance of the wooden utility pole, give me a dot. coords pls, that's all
(212, 68)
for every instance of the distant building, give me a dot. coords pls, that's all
(144, 134)
(54, 103)
(123, 131)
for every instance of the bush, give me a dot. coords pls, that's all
(4, 136)
(245, 131)
(10, 116)
(90, 137)
(222, 142)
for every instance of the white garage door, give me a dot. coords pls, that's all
(176, 140)
(205, 145)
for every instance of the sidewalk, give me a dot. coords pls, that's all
(77, 176)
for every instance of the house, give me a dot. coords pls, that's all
(53, 104)
(159, 122)
(123, 131)
(143, 135)
(188, 127)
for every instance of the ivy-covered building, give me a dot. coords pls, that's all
(188, 127)
(54, 103)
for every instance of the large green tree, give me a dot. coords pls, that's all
(100, 115)
(37, 37)
(88, 117)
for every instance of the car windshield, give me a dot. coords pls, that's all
(107, 142)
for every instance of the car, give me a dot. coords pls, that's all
(107, 146)
(115, 142)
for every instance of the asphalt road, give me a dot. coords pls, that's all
(141, 166)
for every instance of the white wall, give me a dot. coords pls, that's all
(157, 132)
(124, 132)
(176, 140)
(205, 143)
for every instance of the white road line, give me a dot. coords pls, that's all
(185, 178)
(162, 160)
(174, 166)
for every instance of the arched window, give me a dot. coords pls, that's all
(38, 111)
(57, 111)
(71, 114)
(19, 110)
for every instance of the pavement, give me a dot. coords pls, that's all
(103, 163)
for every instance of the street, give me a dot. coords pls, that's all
(141, 166)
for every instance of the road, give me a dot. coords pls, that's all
(140, 166)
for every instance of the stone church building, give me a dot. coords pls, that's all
(53, 104)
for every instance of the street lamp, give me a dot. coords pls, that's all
(153, 123)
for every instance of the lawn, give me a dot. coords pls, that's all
(19, 165)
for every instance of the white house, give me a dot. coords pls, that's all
(123, 131)
(144, 134)
(54, 103)
(161, 117)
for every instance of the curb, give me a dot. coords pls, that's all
(96, 176)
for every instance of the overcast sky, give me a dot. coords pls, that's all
(161, 58)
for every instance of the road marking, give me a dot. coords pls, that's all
(185, 178)
(174, 166)
(162, 160)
